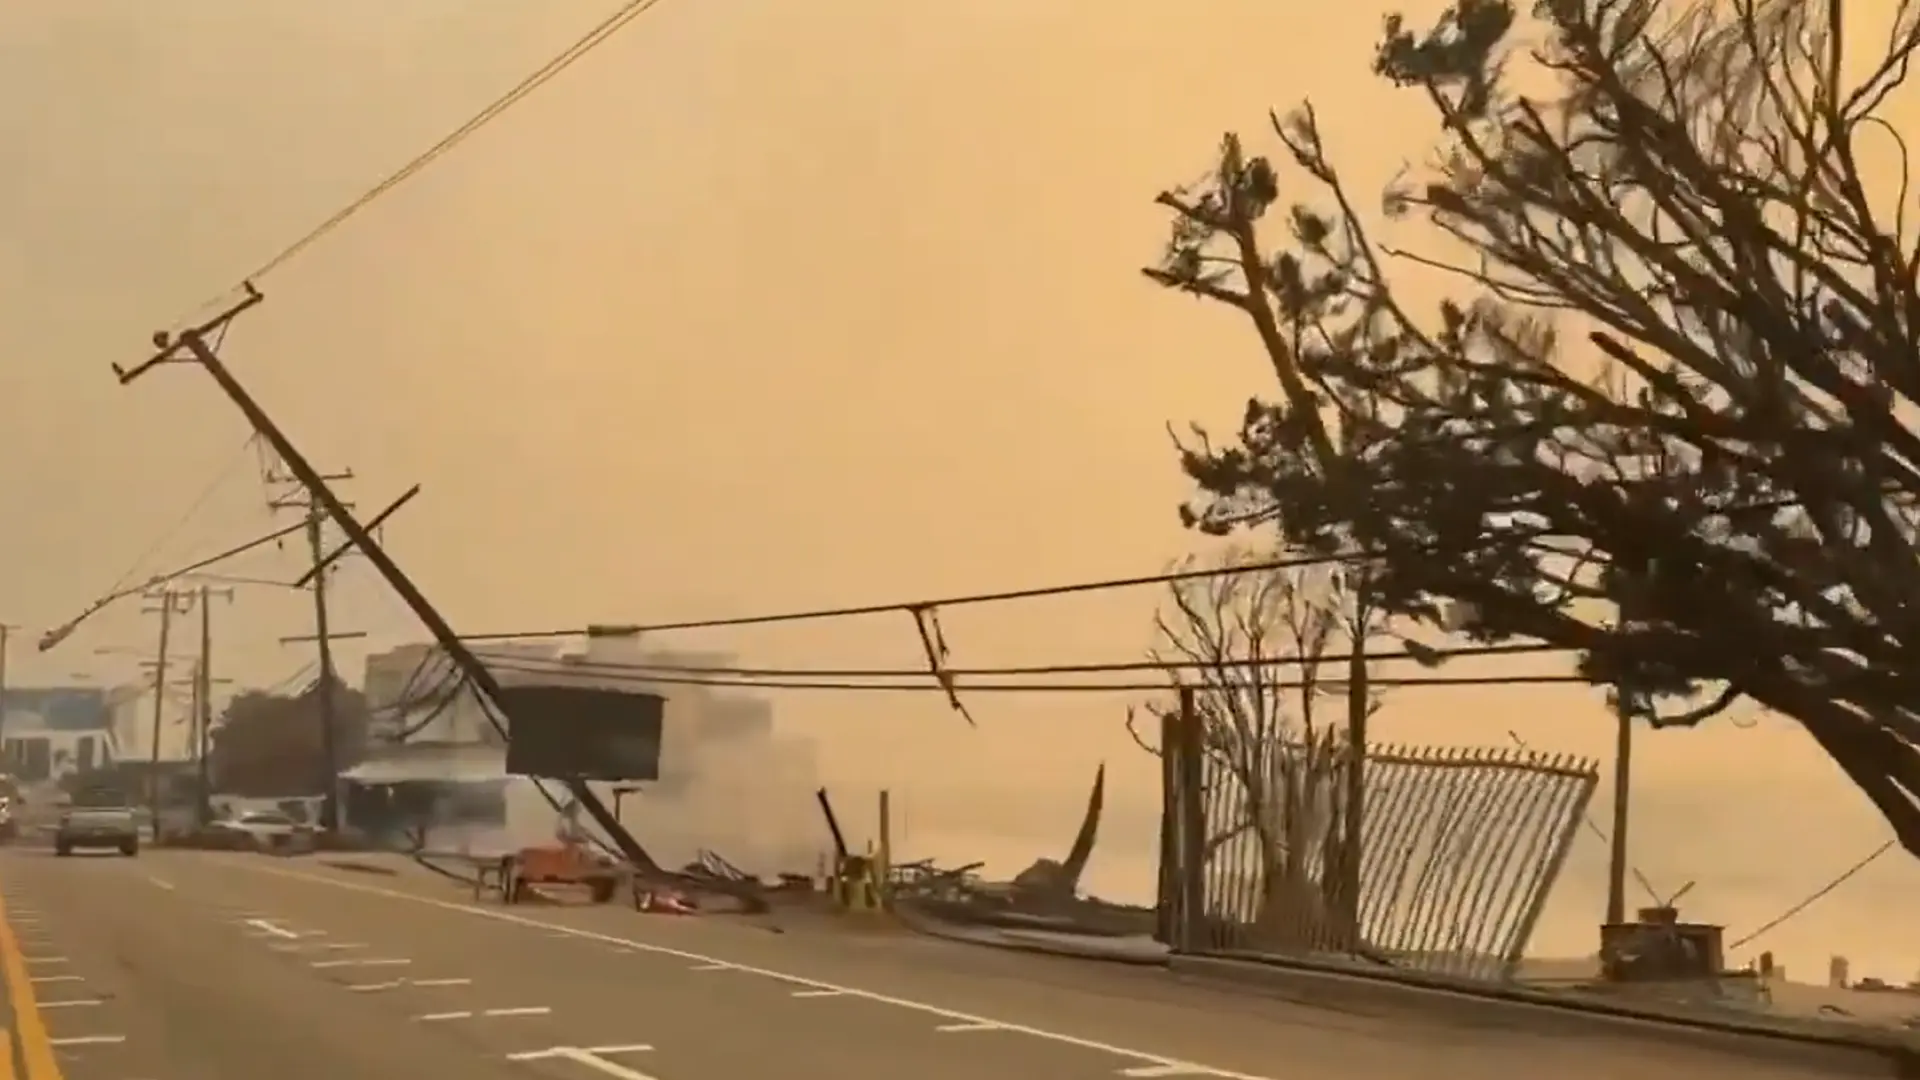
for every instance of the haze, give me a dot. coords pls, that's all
(762, 306)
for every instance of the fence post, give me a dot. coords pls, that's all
(1166, 895)
(1193, 826)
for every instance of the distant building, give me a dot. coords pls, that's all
(131, 710)
(418, 735)
(47, 733)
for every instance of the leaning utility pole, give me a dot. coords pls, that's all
(193, 343)
(323, 638)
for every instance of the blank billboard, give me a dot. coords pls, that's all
(585, 733)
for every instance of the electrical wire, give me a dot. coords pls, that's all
(197, 504)
(60, 633)
(442, 696)
(1818, 894)
(628, 11)
(638, 679)
(647, 667)
(404, 698)
(1171, 577)
(290, 678)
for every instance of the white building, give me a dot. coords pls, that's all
(130, 709)
(48, 733)
(728, 781)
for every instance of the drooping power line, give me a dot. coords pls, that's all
(1170, 577)
(628, 11)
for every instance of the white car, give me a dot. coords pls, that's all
(265, 829)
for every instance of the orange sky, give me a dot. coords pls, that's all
(764, 305)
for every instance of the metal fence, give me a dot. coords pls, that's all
(1457, 852)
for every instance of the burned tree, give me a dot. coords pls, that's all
(1257, 651)
(1668, 422)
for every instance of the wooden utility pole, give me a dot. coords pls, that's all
(190, 346)
(169, 601)
(203, 706)
(6, 632)
(299, 499)
(1622, 801)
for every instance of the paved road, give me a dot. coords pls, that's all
(192, 966)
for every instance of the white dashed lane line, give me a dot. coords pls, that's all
(35, 939)
(1146, 1066)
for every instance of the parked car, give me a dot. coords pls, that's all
(98, 827)
(265, 829)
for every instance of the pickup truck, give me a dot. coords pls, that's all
(98, 827)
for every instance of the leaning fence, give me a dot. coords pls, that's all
(1439, 860)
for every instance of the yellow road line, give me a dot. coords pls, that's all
(6, 1062)
(36, 1049)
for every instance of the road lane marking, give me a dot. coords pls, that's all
(89, 1040)
(818, 993)
(709, 963)
(471, 1014)
(1145, 1072)
(591, 1057)
(368, 988)
(161, 883)
(72, 1003)
(708, 967)
(39, 959)
(54, 978)
(321, 946)
(438, 982)
(949, 1028)
(268, 926)
(30, 1028)
(363, 961)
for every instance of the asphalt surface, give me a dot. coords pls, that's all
(200, 966)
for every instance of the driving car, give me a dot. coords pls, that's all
(98, 827)
(265, 829)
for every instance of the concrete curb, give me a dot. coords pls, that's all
(1515, 1009)
(936, 928)
(1535, 1012)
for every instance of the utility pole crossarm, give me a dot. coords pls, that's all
(170, 345)
(373, 524)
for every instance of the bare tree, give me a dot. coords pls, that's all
(1726, 509)
(1253, 647)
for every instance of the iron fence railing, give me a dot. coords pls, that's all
(1458, 850)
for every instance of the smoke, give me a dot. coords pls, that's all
(729, 783)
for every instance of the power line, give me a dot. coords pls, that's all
(198, 503)
(1135, 666)
(935, 686)
(60, 633)
(592, 39)
(1818, 894)
(633, 629)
